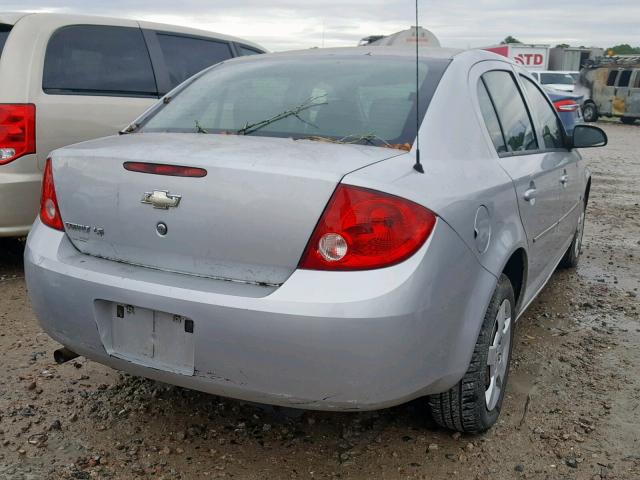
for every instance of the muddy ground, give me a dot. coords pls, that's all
(572, 410)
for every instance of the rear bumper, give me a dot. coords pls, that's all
(19, 196)
(323, 340)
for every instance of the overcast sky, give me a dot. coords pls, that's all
(290, 24)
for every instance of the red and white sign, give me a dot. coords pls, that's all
(532, 57)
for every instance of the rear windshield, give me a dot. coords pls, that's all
(556, 79)
(4, 34)
(369, 99)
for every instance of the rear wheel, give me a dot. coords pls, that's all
(572, 255)
(590, 112)
(473, 405)
(628, 120)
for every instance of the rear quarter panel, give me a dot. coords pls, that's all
(462, 173)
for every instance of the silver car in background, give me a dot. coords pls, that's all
(264, 232)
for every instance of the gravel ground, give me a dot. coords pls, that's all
(572, 409)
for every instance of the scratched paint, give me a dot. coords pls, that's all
(618, 106)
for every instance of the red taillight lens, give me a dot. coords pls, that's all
(566, 106)
(363, 229)
(162, 169)
(17, 131)
(49, 211)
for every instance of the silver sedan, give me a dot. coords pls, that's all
(272, 231)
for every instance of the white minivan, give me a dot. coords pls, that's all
(67, 78)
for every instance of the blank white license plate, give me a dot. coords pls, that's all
(154, 339)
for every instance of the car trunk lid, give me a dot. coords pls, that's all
(249, 219)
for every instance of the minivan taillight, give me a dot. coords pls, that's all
(49, 211)
(364, 229)
(566, 106)
(17, 131)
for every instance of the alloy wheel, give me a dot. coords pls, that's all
(498, 357)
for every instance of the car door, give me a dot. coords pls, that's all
(633, 99)
(535, 174)
(95, 79)
(604, 90)
(621, 93)
(552, 138)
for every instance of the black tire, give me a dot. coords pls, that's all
(572, 255)
(628, 120)
(590, 112)
(464, 407)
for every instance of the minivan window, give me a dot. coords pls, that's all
(4, 34)
(544, 113)
(186, 56)
(98, 60)
(611, 79)
(244, 51)
(625, 76)
(512, 111)
(365, 99)
(636, 83)
(490, 118)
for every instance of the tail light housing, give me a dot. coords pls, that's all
(362, 229)
(566, 106)
(49, 210)
(17, 131)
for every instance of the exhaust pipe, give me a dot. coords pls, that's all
(63, 355)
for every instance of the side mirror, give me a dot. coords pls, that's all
(585, 136)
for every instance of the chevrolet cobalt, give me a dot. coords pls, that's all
(268, 231)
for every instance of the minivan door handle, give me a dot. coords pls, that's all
(530, 194)
(564, 179)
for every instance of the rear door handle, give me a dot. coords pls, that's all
(530, 194)
(564, 179)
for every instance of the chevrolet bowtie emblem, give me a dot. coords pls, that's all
(161, 199)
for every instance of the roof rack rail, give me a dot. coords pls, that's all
(614, 61)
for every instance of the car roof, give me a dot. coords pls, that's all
(11, 18)
(556, 71)
(468, 57)
(426, 52)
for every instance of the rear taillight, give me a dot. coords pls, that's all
(17, 131)
(49, 211)
(364, 229)
(566, 106)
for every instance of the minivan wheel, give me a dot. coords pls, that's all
(474, 404)
(572, 255)
(628, 120)
(590, 112)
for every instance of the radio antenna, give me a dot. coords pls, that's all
(417, 166)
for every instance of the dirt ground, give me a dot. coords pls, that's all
(572, 409)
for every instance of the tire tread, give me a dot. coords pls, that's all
(460, 408)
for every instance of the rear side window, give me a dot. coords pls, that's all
(511, 110)
(244, 51)
(186, 56)
(636, 83)
(4, 34)
(611, 79)
(625, 76)
(98, 60)
(490, 118)
(545, 115)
